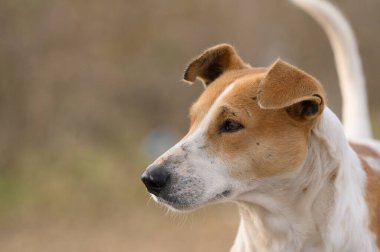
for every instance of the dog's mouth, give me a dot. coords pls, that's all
(223, 195)
(174, 204)
(183, 203)
(184, 191)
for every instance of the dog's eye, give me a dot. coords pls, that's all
(230, 126)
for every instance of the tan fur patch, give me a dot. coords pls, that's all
(372, 187)
(365, 150)
(214, 62)
(199, 109)
(373, 199)
(271, 142)
(285, 85)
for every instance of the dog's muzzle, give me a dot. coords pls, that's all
(155, 178)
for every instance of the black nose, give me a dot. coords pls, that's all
(155, 179)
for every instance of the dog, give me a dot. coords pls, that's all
(264, 138)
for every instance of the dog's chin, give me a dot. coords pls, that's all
(176, 206)
(185, 205)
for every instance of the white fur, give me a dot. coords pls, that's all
(278, 216)
(347, 228)
(349, 67)
(332, 215)
(318, 207)
(198, 167)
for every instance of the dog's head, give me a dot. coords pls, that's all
(248, 124)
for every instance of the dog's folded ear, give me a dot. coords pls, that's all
(212, 63)
(287, 87)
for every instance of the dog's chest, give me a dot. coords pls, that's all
(267, 232)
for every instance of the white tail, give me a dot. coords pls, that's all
(347, 59)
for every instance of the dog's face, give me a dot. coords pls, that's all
(249, 124)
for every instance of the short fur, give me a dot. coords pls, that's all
(264, 139)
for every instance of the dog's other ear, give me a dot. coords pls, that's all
(212, 63)
(286, 86)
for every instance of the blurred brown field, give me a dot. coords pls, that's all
(91, 93)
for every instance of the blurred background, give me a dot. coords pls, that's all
(91, 93)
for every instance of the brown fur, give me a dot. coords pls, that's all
(372, 187)
(268, 103)
(208, 97)
(262, 144)
(274, 152)
(272, 112)
(365, 150)
(285, 85)
(212, 63)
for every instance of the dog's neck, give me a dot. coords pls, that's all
(298, 211)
